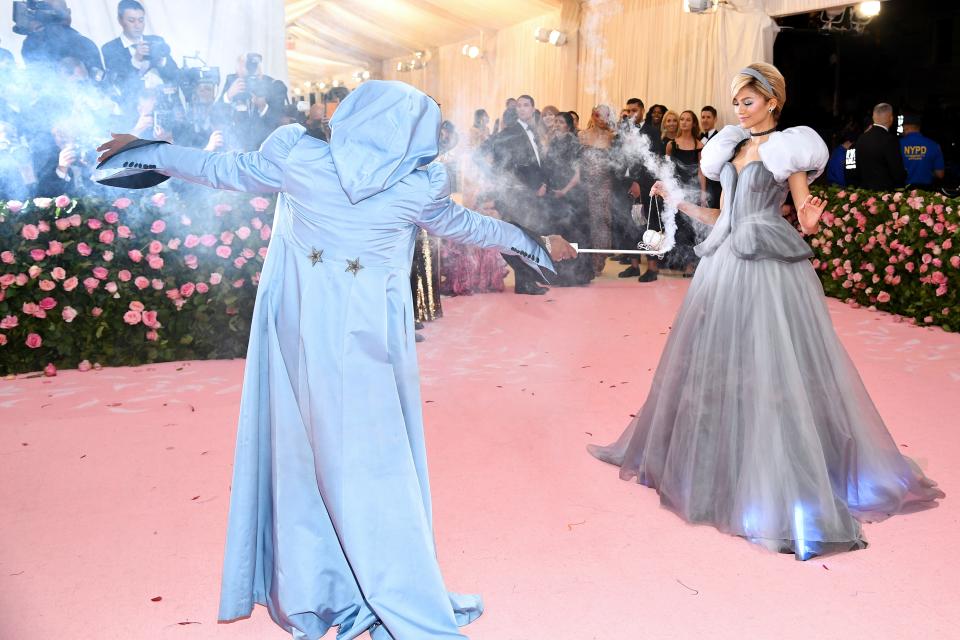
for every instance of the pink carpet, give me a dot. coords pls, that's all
(114, 488)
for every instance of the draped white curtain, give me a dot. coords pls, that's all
(652, 50)
(219, 30)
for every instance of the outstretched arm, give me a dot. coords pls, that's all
(703, 214)
(809, 207)
(254, 171)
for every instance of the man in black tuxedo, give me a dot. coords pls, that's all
(879, 163)
(522, 184)
(135, 61)
(50, 39)
(708, 129)
(635, 182)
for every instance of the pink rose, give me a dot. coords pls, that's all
(91, 284)
(14, 206)
(50, 370)
(9, 322)
(173, 244)
(123, 231)
(42, 203)
(84, 249)
(94, 224)
(106, 236)
(132, 317)
(7, 279)
(173, 294)
(191, 261)
(84, 365)
(141, 283)
(239, 262)
(54, 248)
(151, 335)
(34, 341)
(157, 284)
(155, 246)
(136, 305)
(158, 225)
(38, 254)
(111, 287)
(7, 257)
(150, 319)
(47, 285)
(68, 313)
(48, 303)
(155, 262)
(221, 209)
(223, 251)
(100, 273)
(226, 237)
(111, 217)
(262, 252)
(942, 290)
(202, 287)
(191, 241)
(62, 201)
(247, 253)
(96, 312)
(238, 283)
(135, 255)
(122, 203)
(30, 308)
(124, 275)
(30, 232)
(955, 262)
(187, 289)
(208, 240)
(259, 203)
(3, 339)
(75, 220)
(883, 296)
(43, 226)
(243, 233)
(33, 272)
(216, 278)
(256, 222)
(70, 283)
(265, 232)
(159, 199)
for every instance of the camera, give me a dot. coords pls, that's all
(252, 65)
(28, 14)
(158, 51)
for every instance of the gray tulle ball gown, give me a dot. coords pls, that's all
(757, 421)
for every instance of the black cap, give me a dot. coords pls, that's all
(112, 172)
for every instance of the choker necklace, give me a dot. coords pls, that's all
(762, 133)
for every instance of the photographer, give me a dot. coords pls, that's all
(135, 61)
(257, 101)
(66, 166)
(50, 38)
(206, 116)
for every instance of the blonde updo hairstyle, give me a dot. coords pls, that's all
(772, 75)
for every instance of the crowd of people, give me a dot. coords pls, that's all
(542, 169)
(70, 94)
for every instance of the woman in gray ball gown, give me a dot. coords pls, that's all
(757, 421)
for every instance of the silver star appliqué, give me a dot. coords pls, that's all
(354, 266)
(316, 256)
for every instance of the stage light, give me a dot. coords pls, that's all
(306, 84)
(465, 50)
(365, 75)
(868, 9)
(473, 52)
(322, 86)
(557, 38)
(399, 66)
(541, 35)
(699, 6)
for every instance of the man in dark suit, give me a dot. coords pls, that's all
(879, 163)
(133, 60)
(50, 39)
(522, 184)
(635, 182)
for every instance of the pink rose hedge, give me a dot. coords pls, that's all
(897, 252)
(148, 278)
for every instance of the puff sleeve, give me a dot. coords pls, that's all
(719, 150)
(794, 150)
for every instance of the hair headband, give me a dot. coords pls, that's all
(759, 77)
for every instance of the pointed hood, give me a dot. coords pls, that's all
(381, 133)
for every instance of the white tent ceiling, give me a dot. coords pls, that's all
(329, 39)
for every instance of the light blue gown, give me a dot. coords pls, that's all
(330, 515)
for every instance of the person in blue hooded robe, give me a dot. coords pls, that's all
(330, 514)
